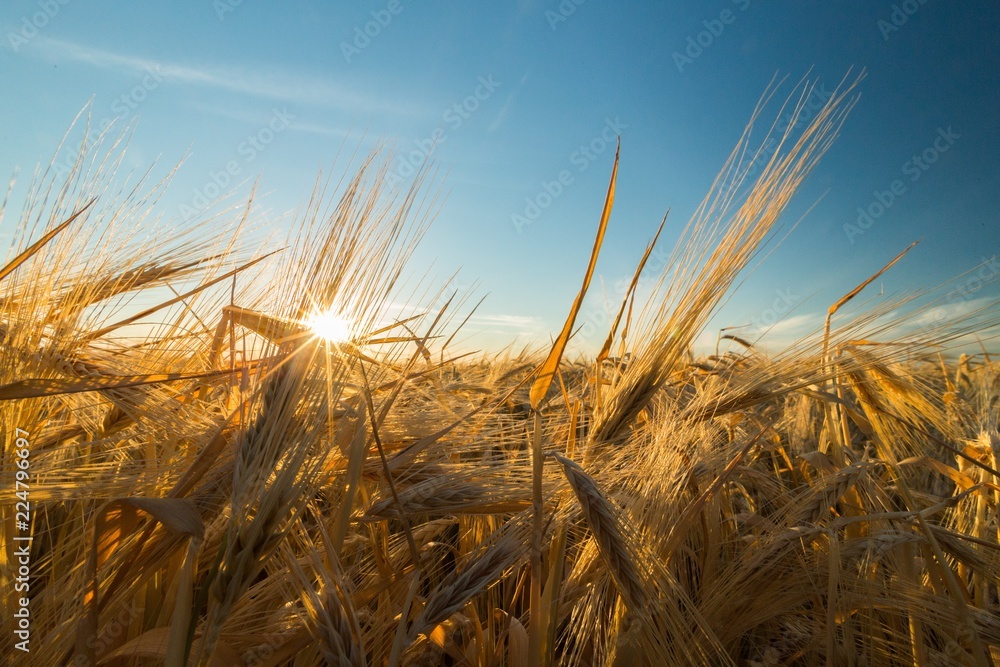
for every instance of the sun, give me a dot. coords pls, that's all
(331, 326)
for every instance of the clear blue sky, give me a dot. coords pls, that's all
(535, 81)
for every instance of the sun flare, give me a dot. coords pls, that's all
(331, 326)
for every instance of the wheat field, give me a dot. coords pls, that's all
(229, 456)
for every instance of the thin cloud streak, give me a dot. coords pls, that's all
(273, 84)
(507, 320)
(795, 324)
(244, 116)
(502, 115)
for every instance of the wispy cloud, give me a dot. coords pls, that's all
(479, 324)
(273, 84)
(244, 115)
(480, 332)
(776, 336)
(502, 114)
(517, 321)
(952, 312)
(795, 324)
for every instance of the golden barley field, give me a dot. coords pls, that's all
(216, 451)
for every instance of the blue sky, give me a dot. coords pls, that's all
(516, 94)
